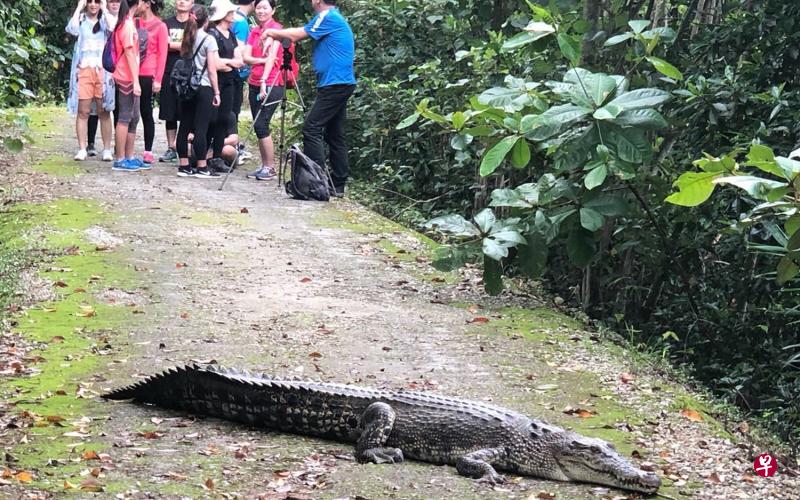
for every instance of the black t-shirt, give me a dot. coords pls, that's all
(175, 29)
(226, 49)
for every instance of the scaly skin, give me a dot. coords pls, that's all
(388, 426)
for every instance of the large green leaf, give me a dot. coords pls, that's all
(614, 40)
(599, 87)
(509, 99)
(607, 204)
(790, 168)
(508, 198)
(792, 225)
(638, 25)
(538, 127)
(596, 177)
(520, 154)
(641, 98)
(607, 112)
(533, 256)
(492, 276)
(453, 224)
(580, 247)
(12, 145)
(591, 220)
(495, 156)
(565, 114)
(665, 68)
(458, 119)
(494, 249)
(631, 144)
(756, 187)
(645, 118)
(693, 188)
(787, 270)
(763, 158)
(570, 47)
(485, 219)
(535, 30)
(408, 121)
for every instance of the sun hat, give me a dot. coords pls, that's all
(219, 9)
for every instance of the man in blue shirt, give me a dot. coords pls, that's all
(333, 55)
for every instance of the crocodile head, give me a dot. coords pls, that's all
(590, 460)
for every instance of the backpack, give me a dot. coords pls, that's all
(185, 79)
(309, 180)
(110, 55)
(143, 38)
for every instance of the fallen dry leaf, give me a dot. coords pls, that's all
(91, 484)
(90, 455)
(478, 319)
(60, 284)
(209, 484)
(714, 478)
(57, 339)
(23, 477)
(692, 415)
(315, 354)
(626, 378)
(184, 315)
(305, 279)
(151, 435)
(244, 210)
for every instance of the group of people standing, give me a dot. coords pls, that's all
(227, 52)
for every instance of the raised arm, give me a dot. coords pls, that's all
(293, 34)
(74, 23)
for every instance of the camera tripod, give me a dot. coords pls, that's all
(284, 73)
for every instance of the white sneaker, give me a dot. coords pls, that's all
(81, 155)
(108, 155)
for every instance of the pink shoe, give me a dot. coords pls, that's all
(147, 157)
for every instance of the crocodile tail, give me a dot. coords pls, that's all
(163, 389)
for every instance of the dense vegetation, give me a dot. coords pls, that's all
(543, 139)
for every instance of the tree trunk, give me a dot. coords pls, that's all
(591, 13)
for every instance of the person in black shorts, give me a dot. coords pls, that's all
(168, 108)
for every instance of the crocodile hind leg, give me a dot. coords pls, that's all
(377, 422)
(478, 465)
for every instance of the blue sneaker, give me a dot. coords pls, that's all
(140, 165)
(124, 166)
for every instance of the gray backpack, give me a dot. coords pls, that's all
(309, 180)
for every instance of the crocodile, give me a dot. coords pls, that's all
(387, 426)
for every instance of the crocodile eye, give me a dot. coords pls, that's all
(595, 449)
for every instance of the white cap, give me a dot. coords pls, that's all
(219, 9)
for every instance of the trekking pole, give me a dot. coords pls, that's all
(261, 107)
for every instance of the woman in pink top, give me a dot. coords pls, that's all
(266, 85)
(154, 41)
(126, 76)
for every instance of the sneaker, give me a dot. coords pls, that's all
(186, 171)
(108, 155)
(169, 156)
(147, 157)
(81, 155)
(205, 173)
(90, 150)
(139, 163)
(255, 172)
(265, 174)
(243, 154)
(125, 166)
(218, 165)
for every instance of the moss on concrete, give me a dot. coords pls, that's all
(59, 166)
(71, 330)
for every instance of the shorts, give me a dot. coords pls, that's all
(168, 109)
(90, 83)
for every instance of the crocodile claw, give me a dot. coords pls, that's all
(492, 478)
(382, 455)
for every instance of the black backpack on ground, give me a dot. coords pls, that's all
(185, 79)
(309, 180)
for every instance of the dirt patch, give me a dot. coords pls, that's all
(249, 278)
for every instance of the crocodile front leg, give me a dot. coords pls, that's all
(478, 465)
(377, 421)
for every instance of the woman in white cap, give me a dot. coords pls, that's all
(222, 14)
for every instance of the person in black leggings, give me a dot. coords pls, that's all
(198, 112)
(230, 60)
